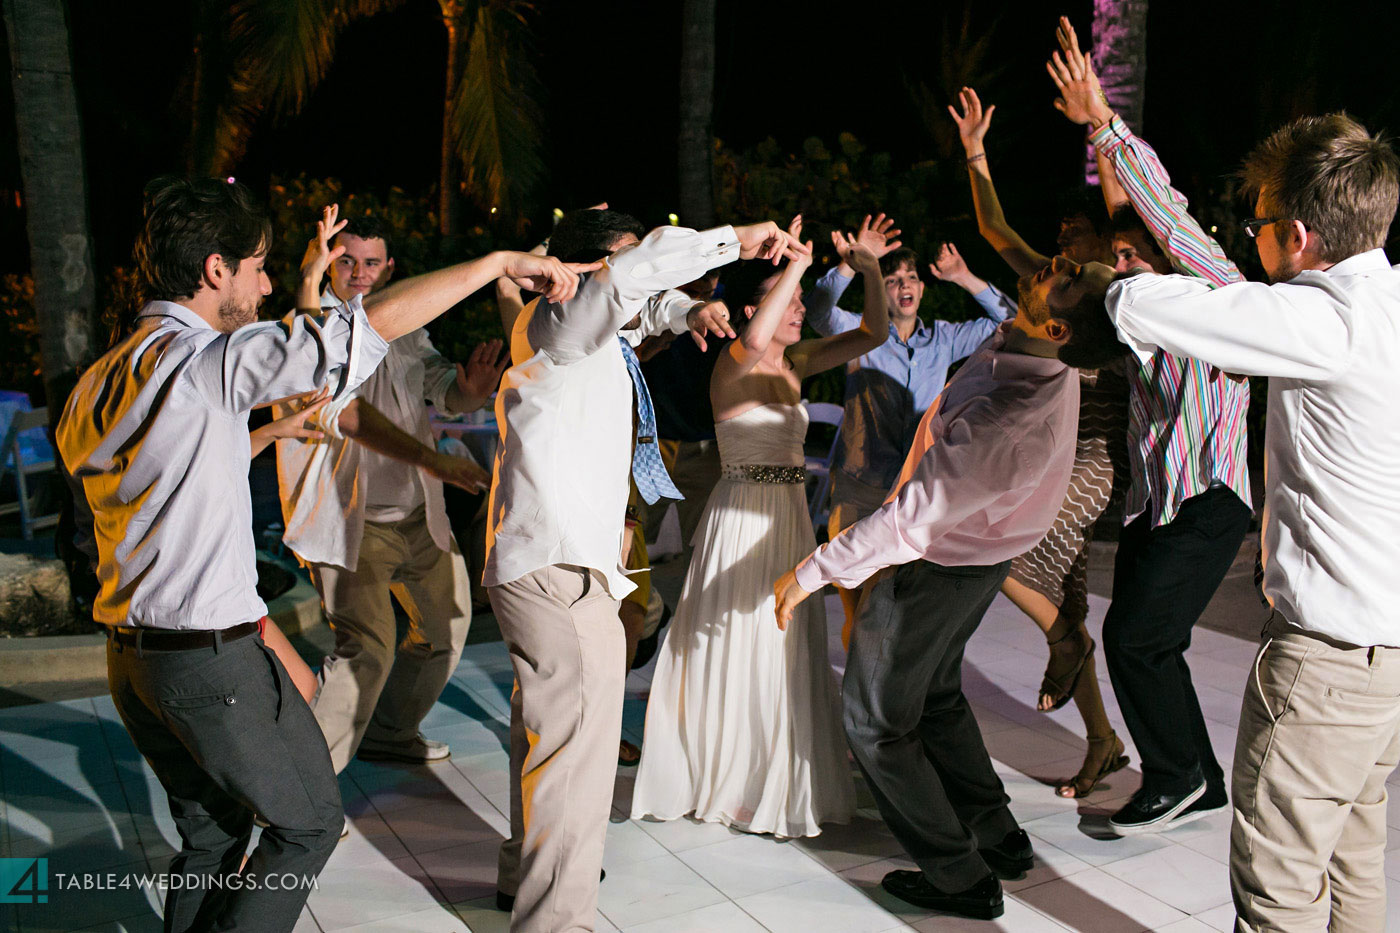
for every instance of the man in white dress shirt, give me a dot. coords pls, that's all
(554, 541)
(363, 507)
(156, 436)
(1320, 729)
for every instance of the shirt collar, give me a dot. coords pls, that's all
(1013, 365)
(920, 330)
(1373, 260)
(177, 311)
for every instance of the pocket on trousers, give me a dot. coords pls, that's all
(1363, 702)
(226, 698)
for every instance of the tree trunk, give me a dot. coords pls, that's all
(697, 100)
(49, 133)
(449, 172)
(1120, 58)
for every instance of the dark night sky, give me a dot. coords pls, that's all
(1219, 76)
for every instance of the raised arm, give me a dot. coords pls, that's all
(814, 356)
(822, 314)
(972, 123)
(509, 299)
(411, 303)
(743, 354)
(667, 257)
(1136, 166)
(318, 258)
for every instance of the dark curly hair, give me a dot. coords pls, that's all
(186, 221)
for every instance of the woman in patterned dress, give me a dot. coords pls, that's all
(1049, 583)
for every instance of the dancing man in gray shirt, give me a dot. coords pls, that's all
(156, 436)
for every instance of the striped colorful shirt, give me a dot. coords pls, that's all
(1186, 428)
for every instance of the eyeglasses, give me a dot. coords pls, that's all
(1255, 224)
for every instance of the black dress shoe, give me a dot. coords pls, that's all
(982, 901)
(1150, 812)
(506, 902)
(1012, 857)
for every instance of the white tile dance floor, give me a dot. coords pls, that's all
(421, 855)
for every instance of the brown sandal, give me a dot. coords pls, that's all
(1064, 687)
(1092, 772)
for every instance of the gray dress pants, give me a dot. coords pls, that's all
(909, 725)
(228, 735)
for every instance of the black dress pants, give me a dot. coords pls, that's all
(1163, 578)
(909, 725)
(227, 734)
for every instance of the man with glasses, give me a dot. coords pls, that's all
(1320, 729)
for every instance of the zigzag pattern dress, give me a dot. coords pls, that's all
(1057, 567)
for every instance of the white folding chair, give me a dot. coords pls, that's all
(13, 451)
(820, 467)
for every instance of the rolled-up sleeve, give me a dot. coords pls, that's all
(263, 362)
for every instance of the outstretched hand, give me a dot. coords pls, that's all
(319, 255)
(856, 254)
(766, 241)
(293, 425)
(708, 319)
(789, 595)
(878, 236)
(479, 378)
(1081, 98)
(557, 281)
(973, 121)
(949, 266)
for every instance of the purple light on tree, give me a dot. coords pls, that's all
(1120, 58)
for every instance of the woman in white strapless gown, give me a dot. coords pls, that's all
(743, 724)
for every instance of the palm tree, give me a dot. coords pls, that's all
(1120, 58)
(966, 58)
(697, 98)
(50, 136)
(256, 58)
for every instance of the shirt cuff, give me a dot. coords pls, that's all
(993, 301)
(367, 348)
(1111, 135)
(809, 575)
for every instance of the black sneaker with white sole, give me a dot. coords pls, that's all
(1150, 812)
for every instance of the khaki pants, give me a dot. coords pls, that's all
(567, 647)
(370, 685)
(1319, 734)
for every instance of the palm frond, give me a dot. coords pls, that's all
(495, 112)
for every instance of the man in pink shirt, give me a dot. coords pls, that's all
(983, 483)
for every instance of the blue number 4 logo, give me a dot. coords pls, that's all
(24, 881)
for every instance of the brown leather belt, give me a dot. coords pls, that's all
(159, 639)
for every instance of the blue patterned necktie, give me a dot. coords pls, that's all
(653, 482)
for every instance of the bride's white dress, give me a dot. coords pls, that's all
(743, 725)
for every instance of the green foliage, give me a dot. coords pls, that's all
(19, 334)
(295, 206)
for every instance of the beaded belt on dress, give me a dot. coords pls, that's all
(762, 473)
